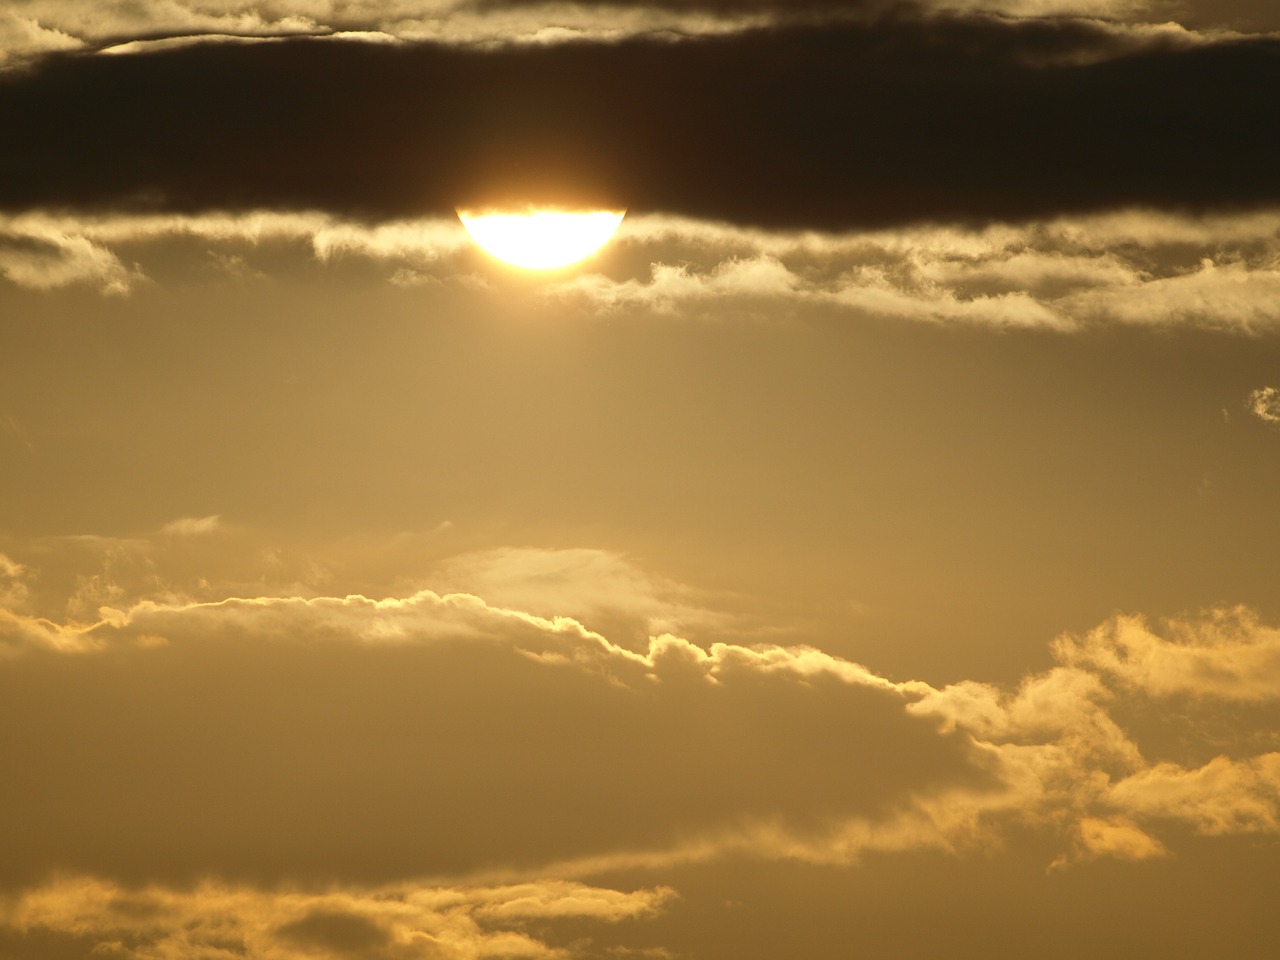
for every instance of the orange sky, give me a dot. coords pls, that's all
(869, 552)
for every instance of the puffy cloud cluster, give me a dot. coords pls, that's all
(422, 719)
(1065, 759)
(1228, 655)
(440, 775)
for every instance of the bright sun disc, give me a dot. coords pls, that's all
(542, 239)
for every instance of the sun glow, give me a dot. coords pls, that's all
(541, 239)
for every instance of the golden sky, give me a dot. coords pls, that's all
(870, 552)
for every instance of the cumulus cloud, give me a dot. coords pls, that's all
(1062, 754)
(446, 736)
(1229, 655)
(452, 736)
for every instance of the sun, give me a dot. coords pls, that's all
(541, 238)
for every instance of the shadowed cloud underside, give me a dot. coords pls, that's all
(947, 118)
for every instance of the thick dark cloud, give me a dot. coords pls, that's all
(824, 9)
(258, 760)
(872, 124)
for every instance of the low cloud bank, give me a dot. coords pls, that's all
(213, 919)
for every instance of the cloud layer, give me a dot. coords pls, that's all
(453, 738)
(1133, 268)
(214, 919)
(31, 28)
(947, 118)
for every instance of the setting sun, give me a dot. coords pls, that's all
(541, 239)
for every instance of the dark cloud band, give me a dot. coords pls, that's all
(858, 125)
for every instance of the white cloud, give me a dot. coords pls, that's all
(1119, 838)
(768, 733)
(1060, 752)
(1264, 403)
(22, 37)
(157, 922)
(1223, 796)
(1068, 274)
(33, 27)
(43, 251)
(20, 633)
(42, 25)
(1235, 295)
(1062, 755)
(43, 261)
(1228, 655)
(1071, 273)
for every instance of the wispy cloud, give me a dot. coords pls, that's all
(43, 261)
(193, 526)
(13, 588)
(590, 585)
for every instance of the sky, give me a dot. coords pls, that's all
(870, 552)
